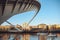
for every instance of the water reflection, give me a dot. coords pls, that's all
(57, 38)
(26, 37)
(33, 37)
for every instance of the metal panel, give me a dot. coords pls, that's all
(8, 8)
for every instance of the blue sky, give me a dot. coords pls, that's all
(49, 14)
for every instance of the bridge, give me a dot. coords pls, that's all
(9, 8)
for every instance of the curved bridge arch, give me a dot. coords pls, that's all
(8, 8)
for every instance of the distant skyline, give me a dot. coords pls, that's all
(48, 14)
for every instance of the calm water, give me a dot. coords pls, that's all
(35, 37)
(31, 37)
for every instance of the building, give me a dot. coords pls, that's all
(42, 26)
(4, 28)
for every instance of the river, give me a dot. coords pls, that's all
(24, 37)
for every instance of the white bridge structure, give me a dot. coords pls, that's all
(9, 8)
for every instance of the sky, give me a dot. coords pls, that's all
(48, 14)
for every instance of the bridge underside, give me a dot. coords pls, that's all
(8, 8)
